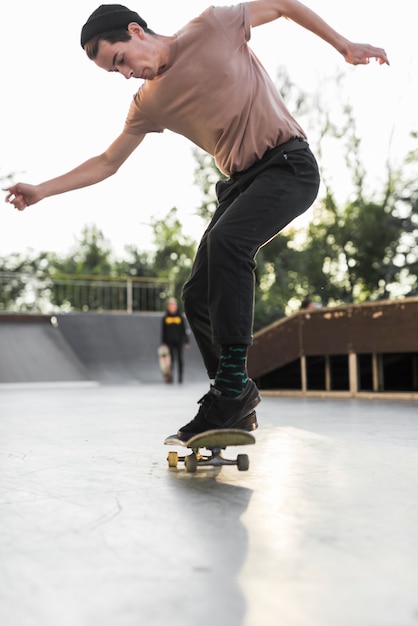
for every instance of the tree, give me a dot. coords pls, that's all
(91, 256)
(276, 279)
(206, 175)
(364, 248)
(406, 211)
(174, 251)
(21, 282)
(136, 264)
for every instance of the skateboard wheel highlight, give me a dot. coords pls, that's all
(173, 459)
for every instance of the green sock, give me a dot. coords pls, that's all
(232, 376)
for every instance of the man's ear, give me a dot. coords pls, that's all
(135, 29)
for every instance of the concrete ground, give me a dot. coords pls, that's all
(96, 530)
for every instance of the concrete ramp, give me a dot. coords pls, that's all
(32, 350)
(122, 348)
(103, 347)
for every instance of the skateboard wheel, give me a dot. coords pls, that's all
(243, 462)
(172, 459)
(191, 463)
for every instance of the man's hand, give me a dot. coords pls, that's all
(263, 11)
(361, 53)
(88, 173)
(22, 195)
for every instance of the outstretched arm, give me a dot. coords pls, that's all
(22, 195)
(263, 11)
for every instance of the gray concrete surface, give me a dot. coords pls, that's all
(96, 530)
(110, 348)
(37, 352)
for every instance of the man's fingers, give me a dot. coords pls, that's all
(16, 200)
(360, 54)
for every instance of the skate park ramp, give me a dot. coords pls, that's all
(108, 348)
(32, 350)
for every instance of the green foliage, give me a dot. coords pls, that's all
(206, 175)
(136, 264)
(174, 251)
(365, 249)
(17, 289)
(405, 211)
(90, 256)
(276, 281)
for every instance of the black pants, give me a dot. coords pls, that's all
(253, 206)
(176, 353)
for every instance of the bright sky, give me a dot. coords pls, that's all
(58, 109)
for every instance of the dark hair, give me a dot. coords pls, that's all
(111, 36)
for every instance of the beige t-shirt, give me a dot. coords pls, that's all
(216, 92)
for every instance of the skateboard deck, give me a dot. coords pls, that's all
(214, 441)
(164, 359)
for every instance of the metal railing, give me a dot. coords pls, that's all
(43, 293)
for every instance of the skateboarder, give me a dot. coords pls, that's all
(205, 83)
(174, 336)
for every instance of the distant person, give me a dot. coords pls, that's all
(310, 305)
(205, 83)
(307, 304)
(174, 336)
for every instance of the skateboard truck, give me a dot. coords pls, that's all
(214, 441)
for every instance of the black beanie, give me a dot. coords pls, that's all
(108, 17)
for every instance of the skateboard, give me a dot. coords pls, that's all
(164, 359)
(214, 441)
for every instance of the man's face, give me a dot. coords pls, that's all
(136, 58)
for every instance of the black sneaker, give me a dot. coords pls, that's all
(218, 411)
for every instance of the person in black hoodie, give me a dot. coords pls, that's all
(174, 335)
